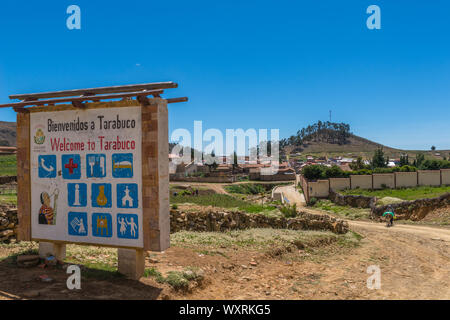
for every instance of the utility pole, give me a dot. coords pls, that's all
(330, 115)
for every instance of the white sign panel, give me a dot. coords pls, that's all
(86, 181)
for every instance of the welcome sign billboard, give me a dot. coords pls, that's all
(86, 181)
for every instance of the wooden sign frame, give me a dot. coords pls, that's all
(155, 170)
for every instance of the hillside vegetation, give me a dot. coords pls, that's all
(8, 165)
(335, 139)
(7, 133)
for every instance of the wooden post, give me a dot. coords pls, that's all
(58, 250)
(23, 177)
(131, 262)
(155, 175)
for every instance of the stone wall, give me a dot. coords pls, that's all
(429, 177)
(211, 221)
(383, 180)
(413, 210)
(277, 177)
(356, 201)
(8, 223)
(7, 179)
(225, 221)
(378, 180)
(337, 184)
(319, 188)
(361, 181)
(222, 179)
(405, 179)
(445, 176)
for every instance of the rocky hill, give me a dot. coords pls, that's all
(7, 133)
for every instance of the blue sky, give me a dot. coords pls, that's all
(247, 64)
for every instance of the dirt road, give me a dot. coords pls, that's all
(433, 233)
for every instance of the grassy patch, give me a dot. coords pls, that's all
(250, 238)
(403, 193)
(221, 201)
(179, 280)
(10, 198)
(97, 262)
(152, 272)
(8, 165)
(342, 211)
(12, 258)
(12, 250)
(350, 240)
(212, 253)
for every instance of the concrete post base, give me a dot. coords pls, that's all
(53, 249)
(131, 262)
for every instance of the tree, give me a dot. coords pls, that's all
(212, 166)
(358, 165)
(4, 143)
(314, 172)
(330, 132)
(235, 161)
(378, 160)
(433, 148)
(404, 160)
(420, 158)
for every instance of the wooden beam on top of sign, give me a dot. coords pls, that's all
(83, 98)
(78, 104)
(23, 177)
(143, 100)
(101, 90)
(175, 100)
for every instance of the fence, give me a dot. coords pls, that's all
(322, 188)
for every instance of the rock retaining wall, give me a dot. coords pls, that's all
(356, 201)
(413, 210)
(211, 221)
(225, 221)
(7, 179)
(8, 223)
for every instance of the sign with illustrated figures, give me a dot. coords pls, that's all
(86, 181)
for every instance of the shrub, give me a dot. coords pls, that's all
(434, 164)
(312, 201)
(289, 211)
(250, 188)
(362, 172)
(336, 172)
(314, 172)
(407, 168)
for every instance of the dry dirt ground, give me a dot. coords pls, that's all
(414, 262)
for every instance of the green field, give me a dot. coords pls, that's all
(346, 212)
(404, 193)
(8, 165)
(8, 198)
(221, 201)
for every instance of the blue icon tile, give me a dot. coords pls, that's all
(77, 223)
(122, 165)
(77, 194)
(127, 195)
(47, 166)
(101, 195)
(95, 165)
(101, 225)
(71, 166)
(127, 226)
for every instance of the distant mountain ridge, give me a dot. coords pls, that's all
(8, 133)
